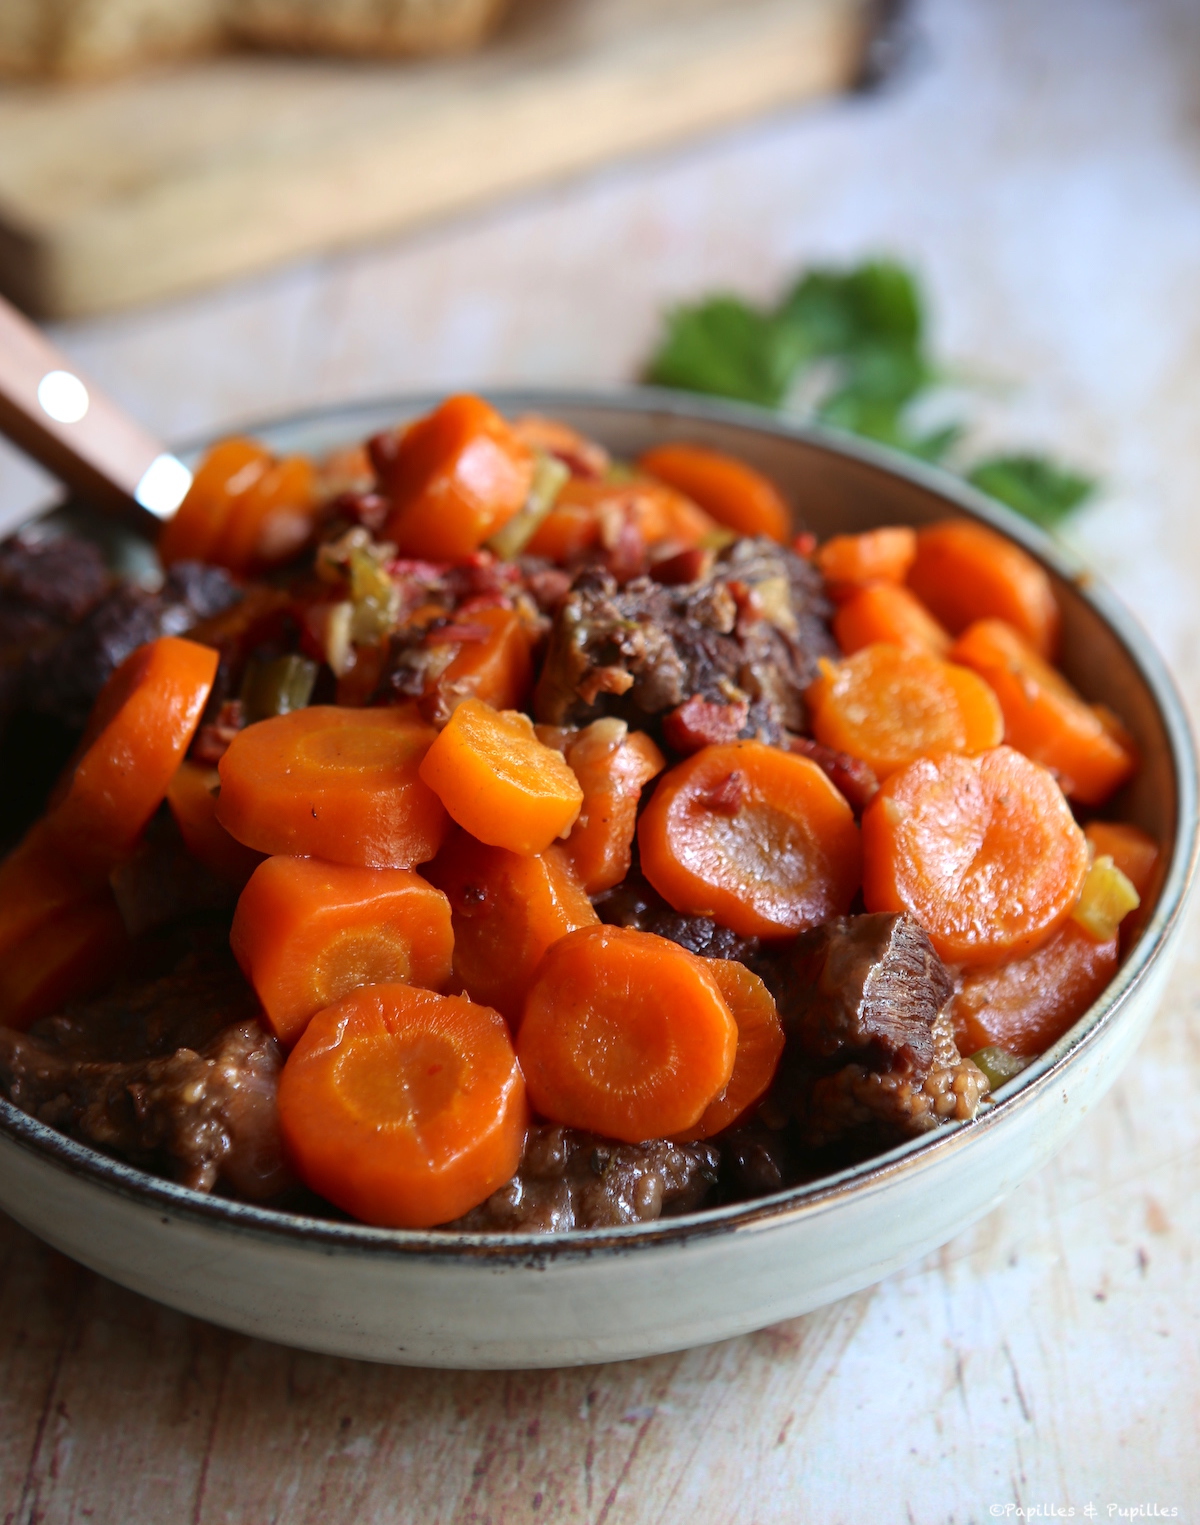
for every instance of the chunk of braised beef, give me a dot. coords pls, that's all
(65, 679)
(61, 577)
(568, 1179)
(756, 1161)
(854, 778)
(749, 632)
(864, 988)
(206, 1117)
(636, 903)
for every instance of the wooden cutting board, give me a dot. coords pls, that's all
(140, 189)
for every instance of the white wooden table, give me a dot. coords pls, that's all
(1041, 165)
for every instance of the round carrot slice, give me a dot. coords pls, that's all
(306, 933)
(626, 1034)
(886, 706)
(192, 798)
(612, 764)
(458, 476)
(966, 572)
(404, 1107)
(754, 837)
(138, 732)
(733, 493)
(983, 851)
(1043, 715)
(759, 1047)
(499, 782)
(335, 783)
(62, 958)
(508, 908)
(849, 563)
(227, 472)
(885, 612)
(270, 520)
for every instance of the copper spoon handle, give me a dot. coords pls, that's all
(52, 413)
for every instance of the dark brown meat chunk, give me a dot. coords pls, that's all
(864, 987)
(61, 577)
(572, 1180)
(206, 1117)
(749, 632)
(635, 903)
(64, 679)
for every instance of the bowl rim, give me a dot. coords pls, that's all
(1048, 1071)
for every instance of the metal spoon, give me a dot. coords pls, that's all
(64, 422)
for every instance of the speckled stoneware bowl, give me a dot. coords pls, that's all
(527, 1300)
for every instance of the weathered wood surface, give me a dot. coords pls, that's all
(1042, 166)
(126, 192)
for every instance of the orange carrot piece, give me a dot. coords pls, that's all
(626, 1034)
(62, 958)
(885, 706)
(270, 521)
(499, 782)
(225, 474)
(508, 908)
(458, 475)
(1043, 715)
(403, 1107)
(850, 563)
(192, 797)
(587, 514)
(759, 1047)
(733, 493)
(39, 882)
(983, 851)
(584, 456)
(1027, 1004)
(966, 572)
(572, 527)
(613, 764)
(884, 612)
(754, 837)
(1133, 851)
(307, 933)
(497, 669)
(333, 783)
(136, 737)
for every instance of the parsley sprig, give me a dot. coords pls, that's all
(854, 342)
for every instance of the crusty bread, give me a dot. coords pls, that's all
(366, 26)
(82, 39)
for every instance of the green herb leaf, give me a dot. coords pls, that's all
(1033, 485)
(725, 347)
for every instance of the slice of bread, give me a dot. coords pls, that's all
(86, 39)
(366, 26)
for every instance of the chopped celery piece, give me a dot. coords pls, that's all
(1106, 899)
(510, 539)
(277, 687)
(998, 1065)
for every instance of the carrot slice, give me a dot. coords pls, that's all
(587, 514)
(404, 1107)
(334, 783)
(1043, 715)
(885, 612)
(192, 797)
(497, 780)
(850, 563)
(38, 882)
(306, 933)
(759, 1047)
(496, 665)
(584, 456)
(983, 851)
(135, 739)
(1026, 1005)
(733, 493)
(508, 909)
(626, 1034)
(268, 522)
(457, 476)
(752, 836)
(613, 764)
(228, 471)
(63, 957)
(1134, 852)
(886, 706)
(966, 572)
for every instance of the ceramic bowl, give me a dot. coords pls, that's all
(426, 1298)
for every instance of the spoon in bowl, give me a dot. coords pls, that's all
(67, 424)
